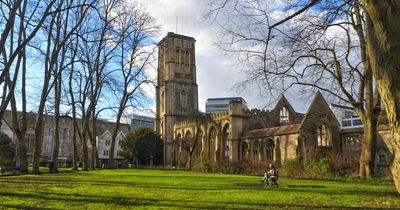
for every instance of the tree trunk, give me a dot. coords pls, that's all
(93, 142)
(22, 157)
(395, 167)
(38, 143)
(85, 154)
(56, 145)
(74, 145)
(71, 93)
(113, 139)
(368, 147)
(56, 142)
(383, 48)
(116, 127)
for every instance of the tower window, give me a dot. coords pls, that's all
(177, 56)
(187, 58)
(183, 100)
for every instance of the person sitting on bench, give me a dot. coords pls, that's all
(270, 175)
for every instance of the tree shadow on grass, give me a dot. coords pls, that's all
(198, 186)
(335, 191)
(13, 206)
(125, 202)
(321, 189)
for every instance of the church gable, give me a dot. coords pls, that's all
(319, 110)
(284, 113)
(320, 130)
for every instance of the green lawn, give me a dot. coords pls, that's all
(153, 189)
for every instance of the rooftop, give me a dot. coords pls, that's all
(226, 98)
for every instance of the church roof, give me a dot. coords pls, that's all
(273, 131)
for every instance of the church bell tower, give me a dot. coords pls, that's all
(176, 91)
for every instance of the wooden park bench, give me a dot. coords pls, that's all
(6, 167)
(272, 179)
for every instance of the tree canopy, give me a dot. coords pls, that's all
(143, 144)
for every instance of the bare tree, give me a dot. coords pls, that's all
(311, 44)
(54, 55)
(19, 124)
(31, 20)
(134, 30)
(22, 21)
(95, 50)
(73, 51)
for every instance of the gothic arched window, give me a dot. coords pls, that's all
(187, 58)
(244, 150)
(269, 150)
(177, 59)
(212, 139)
(225, 143)
(284, 114)
(323, 136)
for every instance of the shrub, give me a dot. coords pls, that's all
(202, 164)
(344, 165)
(309, 169)
(320, 168)
(292, 168)
(7, 149)
(226, 167)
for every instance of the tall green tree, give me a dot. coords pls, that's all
(143, 144)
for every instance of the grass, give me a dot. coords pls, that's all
(154, 189)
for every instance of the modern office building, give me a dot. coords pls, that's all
(215, 105)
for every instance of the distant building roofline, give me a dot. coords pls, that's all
(226, 98)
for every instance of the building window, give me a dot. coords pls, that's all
(323, 136)
(108, 142)
(245, 150)
(357, 122)
(346, 123)
(187, 58)
(105, 153)
(225, 137)
(256, 151)
(284, 114)
(183, 100)
(177, 56)
(269, 150)
(382, 159)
